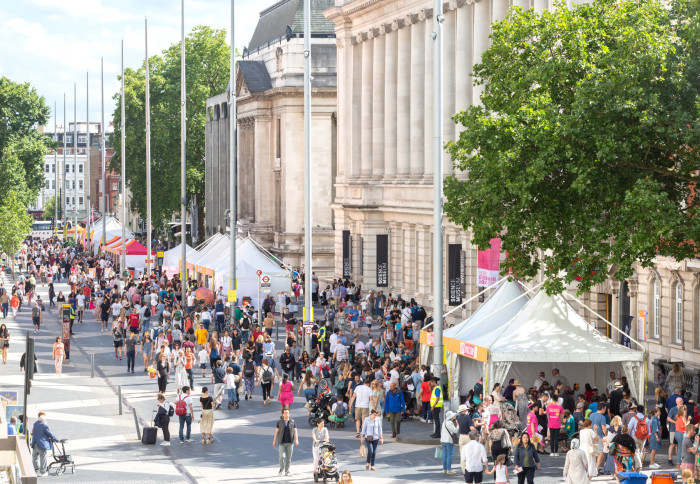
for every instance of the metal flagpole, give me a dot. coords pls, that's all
(64, 198)
(183, 163)
(56, 198)
(438, 19)
(88, 185)
(123, 163)
(308, 297)
(75, 162)
(102, 155)
(232, 155)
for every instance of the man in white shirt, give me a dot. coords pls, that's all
(539, 381)
(556, 376)
(394, 373)
(360, 401)
(187, 418)
(116, 310)
(190, 302)
(474, 459)
(81, 306)
(341, 353)
(610, 387)
(333, 340)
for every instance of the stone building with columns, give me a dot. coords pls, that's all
(384, 183)
(270, 116)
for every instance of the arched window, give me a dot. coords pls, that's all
(656, 308)
(678, 313)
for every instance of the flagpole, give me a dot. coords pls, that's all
(102, 155)
(183, 159)
(56, 198)
(308, 296)
(123, 163)
(232, 155)
(88, 187)
(64, 197)
(438, 19)
(75, 162)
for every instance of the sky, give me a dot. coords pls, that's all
(54, 44)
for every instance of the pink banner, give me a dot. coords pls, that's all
(487, 271)
(467, 349)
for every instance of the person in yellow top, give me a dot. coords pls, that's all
(202, 336)
(436, 405)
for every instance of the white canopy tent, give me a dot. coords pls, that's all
(171, 258)
(548, 333)
(113, 228)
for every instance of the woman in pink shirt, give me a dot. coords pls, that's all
(554, 413)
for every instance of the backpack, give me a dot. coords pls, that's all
(180, 406)
(415, 313)
(171, 410)
(147, 312)
(340, 410)
(245, 323)
(267, 375)
(642, 430)
(249, 369)
(331, 315)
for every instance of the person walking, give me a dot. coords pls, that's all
(162, 419)
(218, 374)
(58, 355)
(130, 346)
(206, 422)
(654, 437)
(146, 350)
(36, 317)
(162, 372)
(436, 405)
(287, 437)
(474, 459)
(638, 428)
(265, 379)
(184, 411)
(371, 435)
(180, 372)
(576, 464)
(360, 400)
(554, 412)
(319, 436)
(41, 443)
(525, 459)
(285, 394)
(4, 342)
(394, 405)
(589, 441)
(449, 434)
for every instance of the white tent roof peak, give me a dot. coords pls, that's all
(548, 329)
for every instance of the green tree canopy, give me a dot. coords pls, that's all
(15, 222)
(22, 148)
(207, 74)
(583, 156)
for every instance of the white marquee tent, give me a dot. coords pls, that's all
(171, 258)
(113, 229)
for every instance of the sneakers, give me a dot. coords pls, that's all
(552, 454)
(423, 420)
(288, 474)
(556, 455)
(654, 466)
(43, 474)
(165, 443)
(182, 442)
(189, 441)
(450, 472)
(280, 473)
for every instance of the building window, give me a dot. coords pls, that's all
(80, 184)
(115, 187)
(82, 139)
(80, 201)
(46, 185)
(656, 309)
(47, 168)
(80, 166)
(69, 138)
(53, 168)
(53, 184)
(678, 313)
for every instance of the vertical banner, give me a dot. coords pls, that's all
(454, 274)
(487, 269)
(382, 260)
(463, 269)
(626, 329)
(347, 254)
(642, 325)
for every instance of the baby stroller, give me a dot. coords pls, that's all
(327, 465)
(319, 407)
(510, 418)
(60, 459)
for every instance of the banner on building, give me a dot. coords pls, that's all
(626, 329)
(642, 325)
(454, 274)
(347, 254)
(488, 261)
(382, 260)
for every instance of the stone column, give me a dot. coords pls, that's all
(390, 89)
(482, 29)
(403, 100)
(463, 59)
(418, 40)
(429, 129)
(378, 104)
(343, 49)
(355, 102)
(500, 9)
(366, 133)
(449, 29)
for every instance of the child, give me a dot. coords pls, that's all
(231, 390)
(203, 357)
(687, 477)
(499, 467)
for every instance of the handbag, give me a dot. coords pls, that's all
(363, 451)
(505, 441)
(438, 452)
(593, 449)
(455, 437)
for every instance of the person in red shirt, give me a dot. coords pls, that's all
(424, 395)
(134, 325)
(554, 413)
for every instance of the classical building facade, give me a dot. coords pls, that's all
(270, 116)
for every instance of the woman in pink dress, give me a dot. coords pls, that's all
(286, 392)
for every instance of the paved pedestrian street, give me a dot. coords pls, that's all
(106, 449)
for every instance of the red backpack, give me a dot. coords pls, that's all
(642, 430)
(180, 406)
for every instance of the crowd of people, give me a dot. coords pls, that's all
(344, 374)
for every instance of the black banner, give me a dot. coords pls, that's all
(454, 274)
(347, 254)
(382, 260)
(626, 330)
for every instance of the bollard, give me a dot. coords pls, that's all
(138, 427)
(119, 389)
(92, 365)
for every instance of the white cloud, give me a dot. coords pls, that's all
(55, 43)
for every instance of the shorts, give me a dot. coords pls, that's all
(81, 308)
(118, 344)
(473, 477)
(361, 413)
(354, 324)
(36, 321)
(203, 366)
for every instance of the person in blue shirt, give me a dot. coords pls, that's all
(12, 426)
(671, 400)
(600, 426)
(42, 442)
(394, 405)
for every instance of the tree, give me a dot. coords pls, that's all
(207, 74)
(50, 208)
(15, 223)
(583, 157)
(22, 147)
